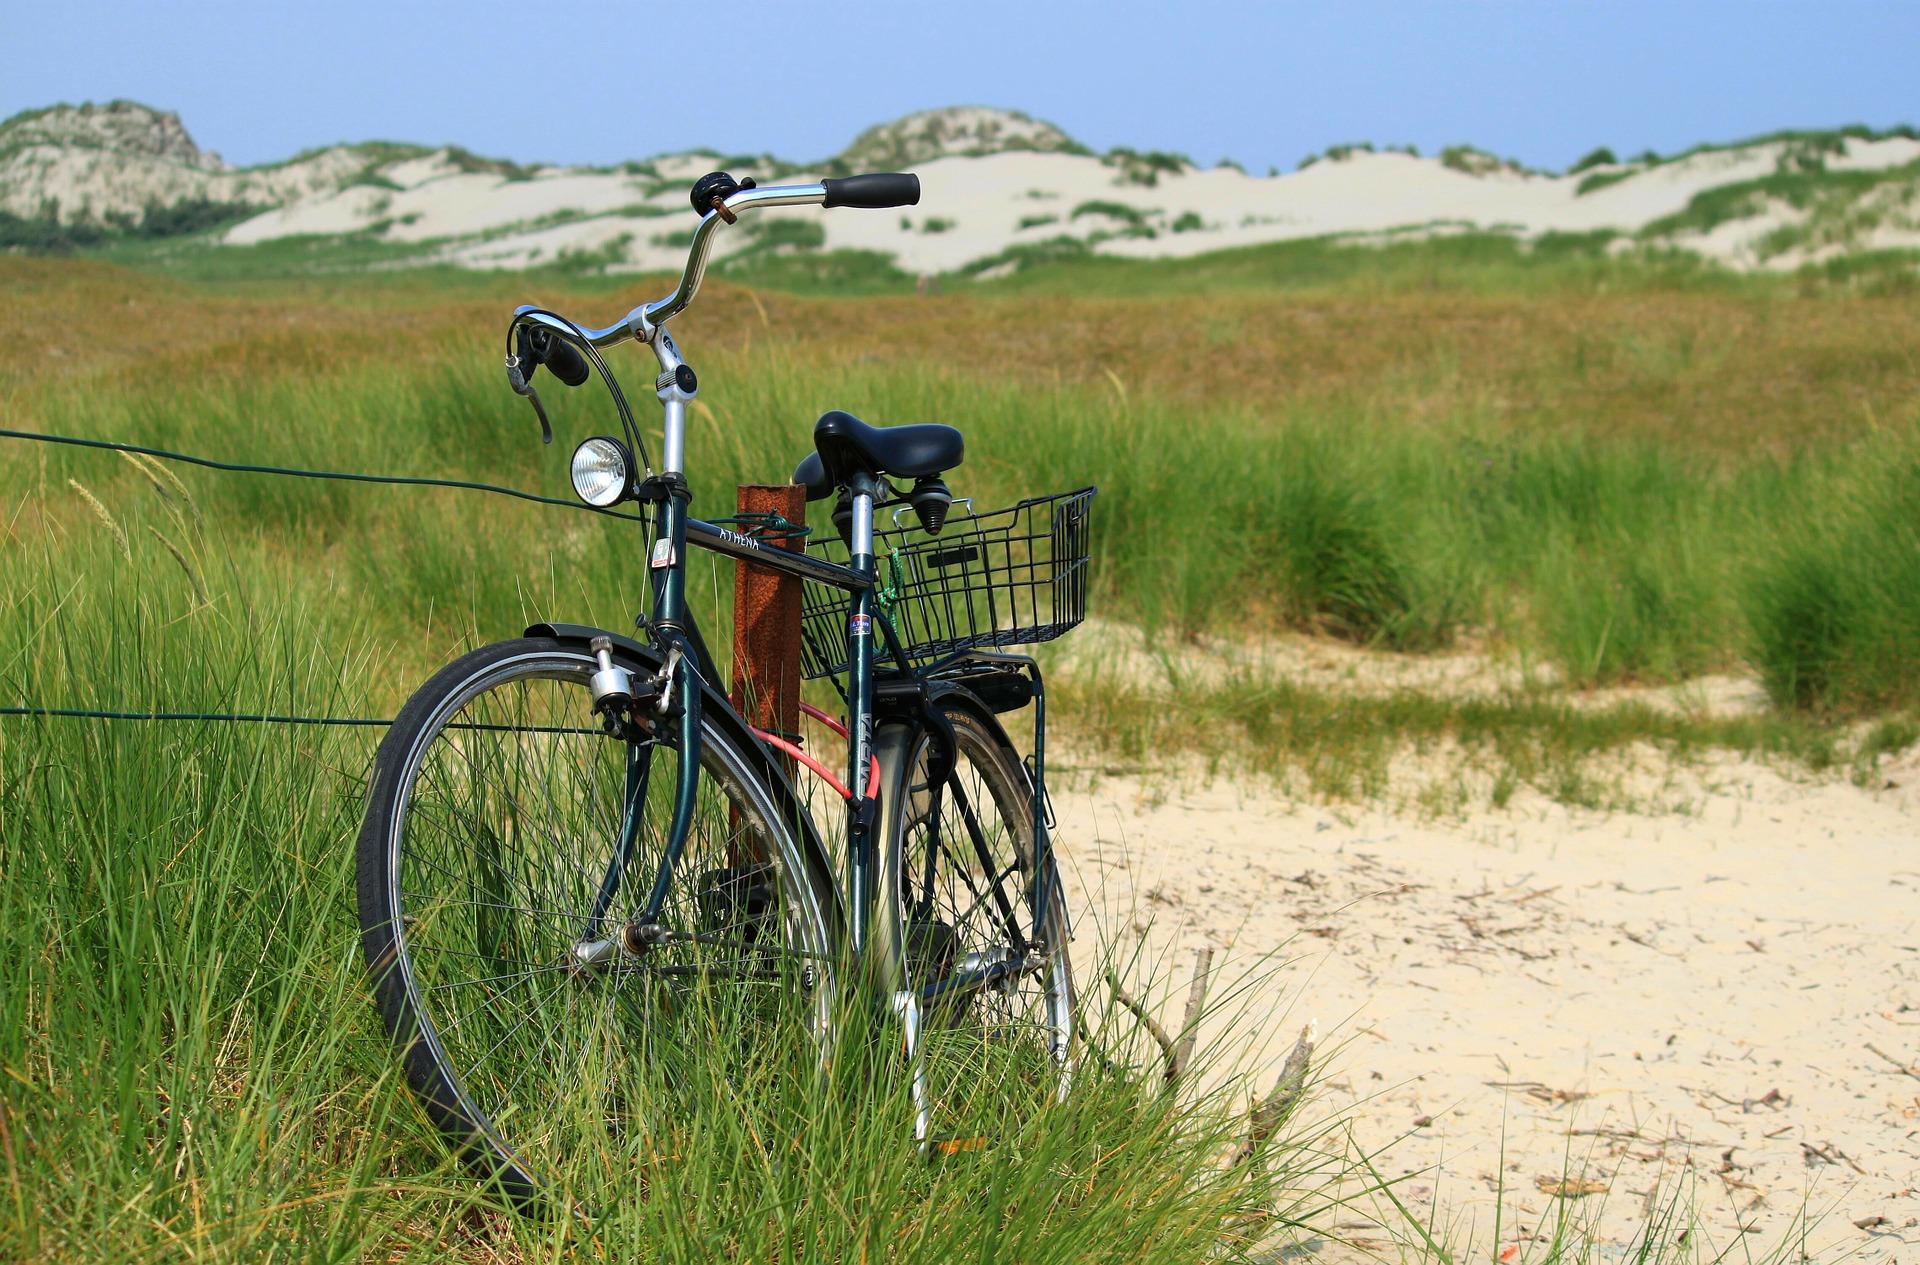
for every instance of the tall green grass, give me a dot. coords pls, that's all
(1617, 559)
(194, 1069)
(1834, 601)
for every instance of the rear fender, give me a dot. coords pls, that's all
(896, 744)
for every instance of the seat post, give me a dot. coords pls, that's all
(861, 542)
(860, 822)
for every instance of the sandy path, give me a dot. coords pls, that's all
(1644, 993)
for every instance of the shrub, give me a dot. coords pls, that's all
(1597, 180)
(1834, 606)
(1031, 255)
(374, 179)
(1145, 167)
(193, 215)
(45, 234)
(794, 234)
(1112, 210)
(1476, 162)
(1601, 157)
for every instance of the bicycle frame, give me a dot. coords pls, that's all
(672, 620)
(674, 627)
(675, 632)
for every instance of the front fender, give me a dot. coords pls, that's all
(581, 634)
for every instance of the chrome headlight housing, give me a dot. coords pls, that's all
(602, 472)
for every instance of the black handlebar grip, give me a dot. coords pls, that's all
(567, 364)
(560, 356)
(879, 189)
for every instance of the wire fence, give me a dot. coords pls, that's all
(30, 711)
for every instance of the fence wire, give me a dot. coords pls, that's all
(292, 472)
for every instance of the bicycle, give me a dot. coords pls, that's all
(572, 837)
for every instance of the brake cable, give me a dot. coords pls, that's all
(628, 425)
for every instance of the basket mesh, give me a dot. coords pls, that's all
(1008, 577)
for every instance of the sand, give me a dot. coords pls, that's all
(1723, 993)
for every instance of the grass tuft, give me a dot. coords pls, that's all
(1834, 604)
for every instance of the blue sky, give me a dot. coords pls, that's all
(1542, 81)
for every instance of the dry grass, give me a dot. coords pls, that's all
(1726, 371)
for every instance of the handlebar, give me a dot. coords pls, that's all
(875, 190)
(878, 190)
(660, 311)
(537, 337)
(541, 346)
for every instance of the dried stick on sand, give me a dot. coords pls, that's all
(1176, 1051)
(1273, 1110)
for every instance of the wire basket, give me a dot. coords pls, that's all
(1008, 577)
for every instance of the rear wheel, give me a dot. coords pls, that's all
(493, 903)
(986, 986)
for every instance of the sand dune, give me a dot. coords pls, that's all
(994, 181)
(973, 208)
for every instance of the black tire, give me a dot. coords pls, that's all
(495, 809)
(954, 899)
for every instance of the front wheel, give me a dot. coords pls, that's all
(975, 935)
(509, 845)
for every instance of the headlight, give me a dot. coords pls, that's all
(602, 472)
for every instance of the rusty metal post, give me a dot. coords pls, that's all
(766, 620)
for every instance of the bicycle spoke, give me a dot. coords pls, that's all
(502, 851)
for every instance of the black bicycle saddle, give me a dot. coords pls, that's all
(845, 446)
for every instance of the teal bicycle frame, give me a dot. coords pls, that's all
(676, 636)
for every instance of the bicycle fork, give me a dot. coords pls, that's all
(594, 948)
(678, 681)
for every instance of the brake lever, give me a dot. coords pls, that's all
(518, 381)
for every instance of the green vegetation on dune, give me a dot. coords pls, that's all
(272, 264)
(1818, 191)
(47, 234)
(1481, 262)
